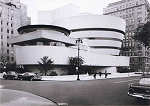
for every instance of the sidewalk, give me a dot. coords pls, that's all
(87, 77)
(84, 77)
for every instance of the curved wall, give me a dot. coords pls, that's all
(103, 33)
(101, 43)
(97, 34)
(104, 51)
(91, 21)
(35, 35)
(25, 56)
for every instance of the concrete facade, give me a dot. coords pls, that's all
(97, 50)
(135, 12)
(12, 16)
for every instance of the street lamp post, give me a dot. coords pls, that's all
(78, 41)
(128, 71)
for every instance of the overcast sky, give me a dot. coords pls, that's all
(91, 6)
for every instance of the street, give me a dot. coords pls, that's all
(77, 93)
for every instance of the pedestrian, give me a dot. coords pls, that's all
(94, 75)
(100, 74)
(106, 74)
(4, 74)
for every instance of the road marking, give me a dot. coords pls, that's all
(126, 81)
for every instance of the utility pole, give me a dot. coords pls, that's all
(78, 41)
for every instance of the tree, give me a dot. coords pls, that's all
(142, 34)
(45, 64)
(3, 63)
(73, 63)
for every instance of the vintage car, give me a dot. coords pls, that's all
(140, 89)
(10, 75)
(29, 76)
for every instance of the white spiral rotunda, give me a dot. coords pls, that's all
(102, 35)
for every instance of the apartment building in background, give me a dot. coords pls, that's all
(13, 15)
(135, 12)
(47, 17)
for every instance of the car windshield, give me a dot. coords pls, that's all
(27, 73)
(11, 72)
(146, 75)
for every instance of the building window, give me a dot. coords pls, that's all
(12, 12)
(7, 45)
(7, 58)
(1, 36)
(12, 32)
(7, 51)
(7, 30)
(139, 8)
(139, 19)
(56, 44)
(39, 43)
(139, 13)
(12, 58)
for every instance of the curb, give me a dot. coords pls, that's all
(89, 80)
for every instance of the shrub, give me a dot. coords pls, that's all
(53, 73)
(124, 70)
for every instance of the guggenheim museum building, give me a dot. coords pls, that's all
(101, 37)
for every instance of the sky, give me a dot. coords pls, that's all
(90, 6)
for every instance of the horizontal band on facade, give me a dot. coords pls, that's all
(103, 38)
(100, 29)
(105, 47)
(31, 28)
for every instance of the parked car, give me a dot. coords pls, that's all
(140, 89)
(20, 76)
(11, 75)
(29, 76)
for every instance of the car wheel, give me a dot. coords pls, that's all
(141, 100)
(4, 77)
(13, 78)
(31, 79)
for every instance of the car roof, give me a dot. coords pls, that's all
(146, 75)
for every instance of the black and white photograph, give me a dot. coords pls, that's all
(74, 52)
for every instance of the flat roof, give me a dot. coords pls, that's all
(31, 28)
